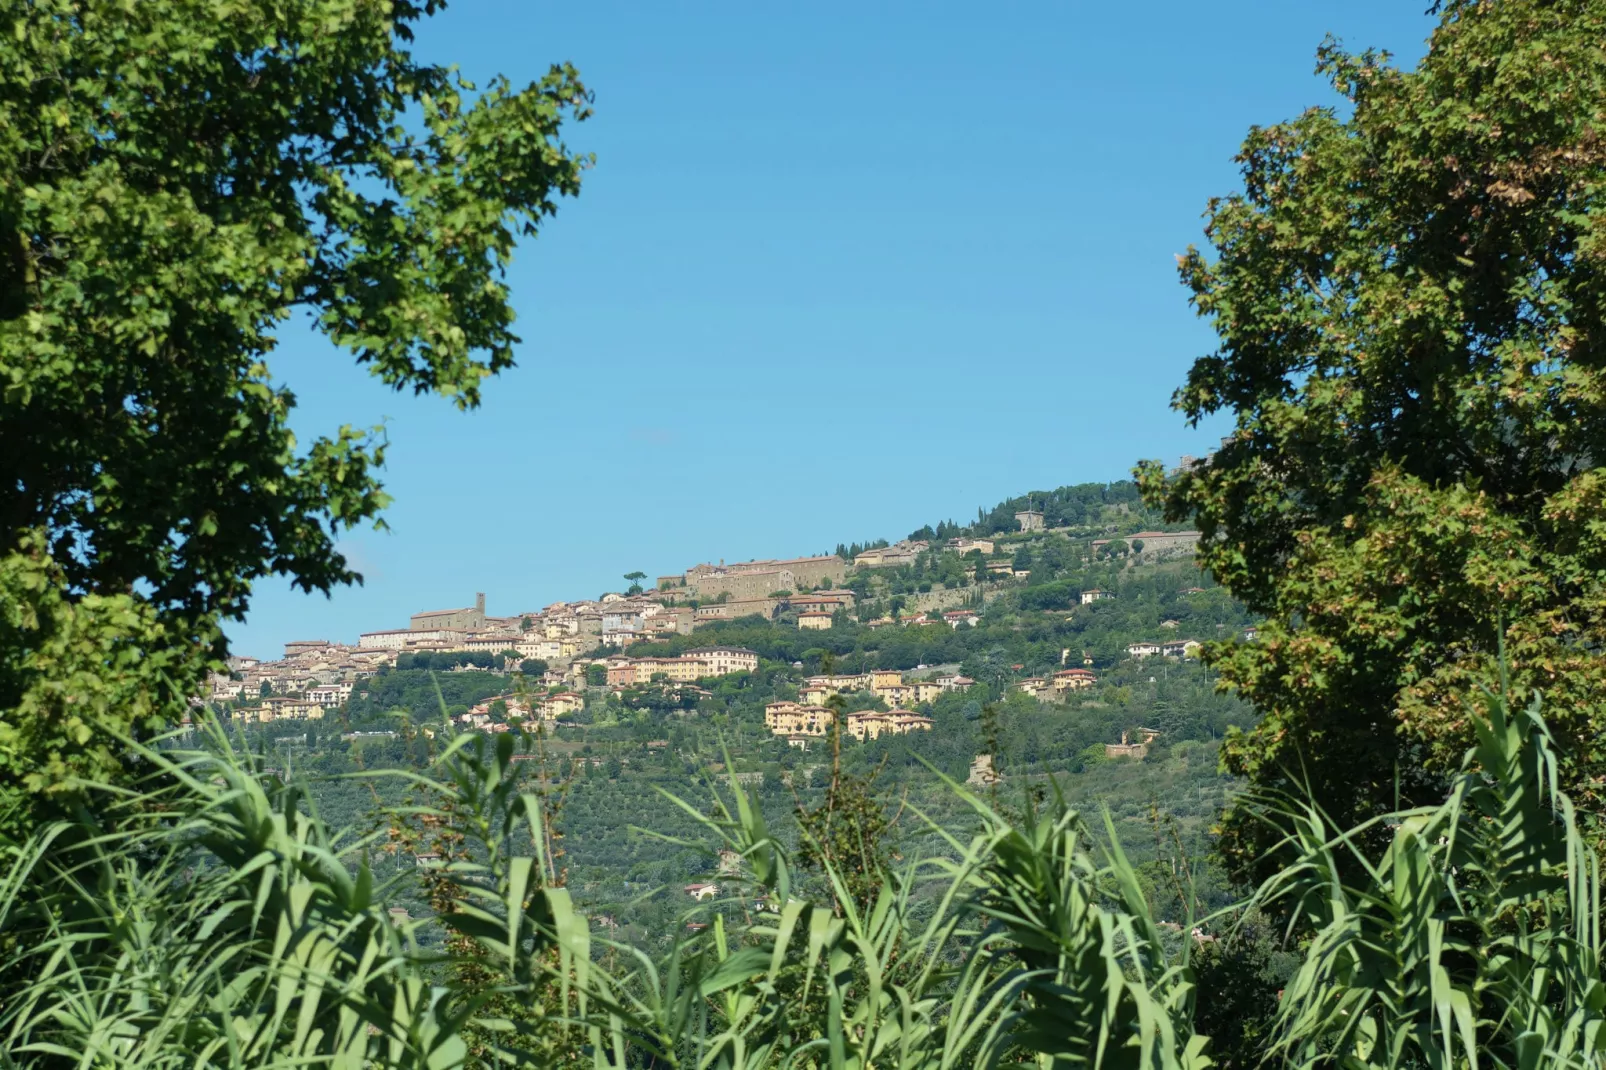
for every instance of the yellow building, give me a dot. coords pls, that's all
(814, 622)
(815, 694)
(675, 670)
(1073, 679)
(896, 694)
(795, 719)
(1032, 685)
(880, 678)
(724, 660)
(561, 704)
(872, 724)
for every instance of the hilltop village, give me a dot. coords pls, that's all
(1055, 636)
(577, 664)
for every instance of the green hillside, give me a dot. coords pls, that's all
(613, 762)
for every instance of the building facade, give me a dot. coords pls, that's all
(468, 619)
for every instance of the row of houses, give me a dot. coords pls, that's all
(1057, 685)
(798, 723)
(954, 618)
(1171, 648)
(546, 708)
(316, 671)
(810, 718)
(688, 667)
(889, 685)
(272, 708)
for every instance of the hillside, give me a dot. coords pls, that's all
(1074, 599)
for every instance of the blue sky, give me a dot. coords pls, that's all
(841, 269)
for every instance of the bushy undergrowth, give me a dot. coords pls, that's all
(212, 919)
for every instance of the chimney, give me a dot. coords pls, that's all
(479, 603)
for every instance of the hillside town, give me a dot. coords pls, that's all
(567, 651)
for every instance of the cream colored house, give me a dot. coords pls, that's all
(872, 724)
(724, 660)
(815, 694)
(561, 705)
(1073, 679)
(880, 678)
(795, 719)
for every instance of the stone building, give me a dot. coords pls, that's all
(805, 572)
(300, 647)
(471, 619)
(894, 556)
(822, 601)
(734, 608)
(1128, 749)
(747, 584)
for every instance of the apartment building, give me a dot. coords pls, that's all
(327, 695)
(724, 660)
(872, 724)
(796, 719)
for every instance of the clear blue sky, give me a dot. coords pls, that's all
(841, 269)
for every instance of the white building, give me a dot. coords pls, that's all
(329, 694)
(723, 660)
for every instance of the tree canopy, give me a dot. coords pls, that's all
(1409, 301)
(175, 183)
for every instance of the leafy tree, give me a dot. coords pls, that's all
(1411, 307)
(596, 675)
(634, 579)
(179, 182)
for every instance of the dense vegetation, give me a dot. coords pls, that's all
(1410, 302)
(177, 180)
(1410, 307)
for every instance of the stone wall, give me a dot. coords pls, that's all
(743, 585)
